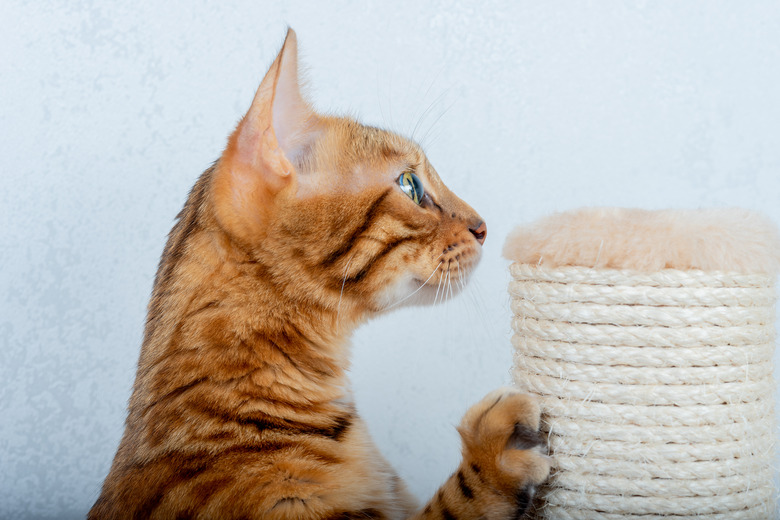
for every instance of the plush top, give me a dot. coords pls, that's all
(643, 240)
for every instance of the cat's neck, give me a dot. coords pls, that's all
(221, 310)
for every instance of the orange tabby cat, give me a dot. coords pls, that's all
(305, 227)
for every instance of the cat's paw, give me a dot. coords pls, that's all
(502, 443)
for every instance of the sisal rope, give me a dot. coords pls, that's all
(656, 390)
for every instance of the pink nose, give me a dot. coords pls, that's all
(480, 232)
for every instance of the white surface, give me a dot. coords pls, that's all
(110, 112)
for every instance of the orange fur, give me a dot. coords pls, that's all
(293, 238)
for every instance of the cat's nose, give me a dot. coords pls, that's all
(479, 231)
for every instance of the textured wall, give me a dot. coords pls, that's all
(109, 113)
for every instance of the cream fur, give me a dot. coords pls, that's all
(708, 239)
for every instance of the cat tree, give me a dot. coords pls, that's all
(649, 337)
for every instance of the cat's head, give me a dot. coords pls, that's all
(345, 215)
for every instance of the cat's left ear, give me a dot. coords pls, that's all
(260, 158)
(279, 121)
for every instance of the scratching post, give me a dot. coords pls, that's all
(649, 338)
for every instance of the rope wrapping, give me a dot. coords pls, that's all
(656, 390)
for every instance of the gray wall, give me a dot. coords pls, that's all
(109, 111)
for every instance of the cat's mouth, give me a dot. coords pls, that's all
(456, 273)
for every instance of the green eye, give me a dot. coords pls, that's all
(412, 186)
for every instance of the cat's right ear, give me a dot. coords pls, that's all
(259, 161)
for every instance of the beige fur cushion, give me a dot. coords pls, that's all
(644, 240)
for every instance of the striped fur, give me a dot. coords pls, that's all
(293, 238)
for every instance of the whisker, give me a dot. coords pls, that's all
(481, 303)
(438, 118)
(416, 290)
(447, 283)
(438, 288)
(444, 296)
(341, 294)
(435, 78)
(427, 111)
(452, 290)
(443, 283)
(428, 143)
(422, 97)
(445, 288)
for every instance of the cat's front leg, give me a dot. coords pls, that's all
(502, 463)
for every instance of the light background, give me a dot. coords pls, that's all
(109, 111)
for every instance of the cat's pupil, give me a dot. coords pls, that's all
(412, 186)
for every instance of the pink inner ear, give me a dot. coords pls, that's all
(293, 118)
(280, 124)
(289, 116)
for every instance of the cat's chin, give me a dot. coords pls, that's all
(431, 295)
(412, 291)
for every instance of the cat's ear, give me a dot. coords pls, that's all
(280, 122)
(270, 140)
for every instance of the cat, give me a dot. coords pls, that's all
(305, 227)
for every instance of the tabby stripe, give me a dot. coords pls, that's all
(487, 411)
(309, 408)
(204, 307)
(335, 431)
(189, 467)
(187, 470)
(202, 492)
(172, 394)
(363, 514)
(477, 470)
(346, 247)
(147, 508)
(276, 346)
(172, 351)
(411, 226)
(292, 335)
(174, 248)
(465, 490)
(298, 333)
(446, 514)
(360, 275)
(186, 463)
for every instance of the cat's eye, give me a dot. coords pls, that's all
(412, 186)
